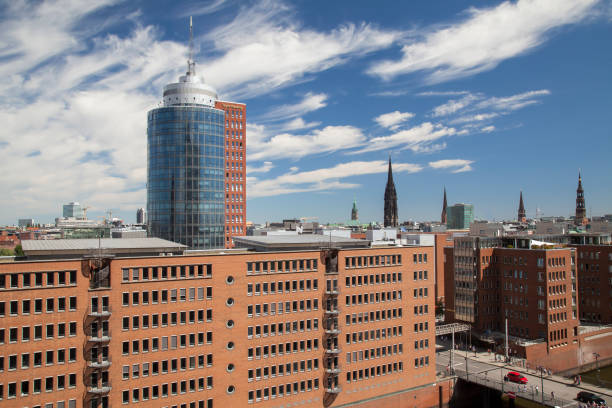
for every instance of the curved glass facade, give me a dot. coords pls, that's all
(185, 197)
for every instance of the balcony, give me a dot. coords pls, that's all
(333, 370)
(332, 291)
(333, 330)
(333, 350)
(99, 389)
(332, 311)
(99, 363)
(97, 338)
(333, 390)
(100, 311)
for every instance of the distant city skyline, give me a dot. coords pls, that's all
(486, 101)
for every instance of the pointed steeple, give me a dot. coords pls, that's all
(580, 218)
(443, 217)
(522, 217)
(354, 213)
(390, 200)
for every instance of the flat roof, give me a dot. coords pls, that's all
(296, 242)
(126, 246)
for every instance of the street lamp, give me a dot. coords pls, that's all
(542, 382)
(596, 355)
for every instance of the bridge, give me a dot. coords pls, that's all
(482, 368)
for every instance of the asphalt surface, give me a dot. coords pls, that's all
(483, 369)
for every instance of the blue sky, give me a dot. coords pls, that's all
(486, 98)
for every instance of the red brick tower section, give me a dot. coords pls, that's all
(235, 170)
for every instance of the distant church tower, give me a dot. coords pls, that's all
(581, 218)
(443, 217)
(390, 200)
(521, 211)
(354, 214)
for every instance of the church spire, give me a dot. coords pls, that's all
(390, 200)
(443, 217)
(580, 218)
(522, 217)
(354, 213)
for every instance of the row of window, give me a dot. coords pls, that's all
(374, 297)
(373, 316)
(421, 310)
(166, 272)
(288, 286)
(171, 295)
(421, 344)
(163, 391)
(37, 279)
(420, 292)
(167, 366)
(558, 317)
(373, 353)
(48, 305)
(164, 319)
(282, 348)
(265, 309)
(373, 279)
(36, 332)
(375, 371)
(274, 329)
(283, 390)
(167, 342)
(374, 260)
(38, 385)
(294, 265)
(280, 370)
(35, 359)
(371, 335)
(421, 327)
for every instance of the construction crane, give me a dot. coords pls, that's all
(85, 212)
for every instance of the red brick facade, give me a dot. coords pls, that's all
(323, 328)
(235, 170)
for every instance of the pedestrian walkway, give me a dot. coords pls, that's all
(489, 358)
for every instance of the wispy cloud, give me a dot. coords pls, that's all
(416, 138)
(479, 117)
(264, 168)
(309, 103)
(458, 165)
(488, 129)
(513, 102)
(325, 179)
(442, 93)
(292, 146)
(392, 120)
(278, 51)
(484, 39)
(453, 105)
(298, 124)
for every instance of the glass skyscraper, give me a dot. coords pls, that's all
(185, 166)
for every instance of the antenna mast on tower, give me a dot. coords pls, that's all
(190, 62)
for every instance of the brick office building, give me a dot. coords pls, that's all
(325, 327)
(532, 286)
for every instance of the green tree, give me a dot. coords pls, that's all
(6, 252)
(19, 251)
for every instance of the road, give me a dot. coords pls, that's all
(484, 370)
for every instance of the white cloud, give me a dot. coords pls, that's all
(287, 145)
(514, 102)
(479, 117)
(309, 103)
(459, 165)
(443, 93)
(263, 49)
(325, 179)
(415, 138)
(488, 129)
(264, 168)
(484, 39)
(392, 120)
(298, 124)
(453, 105)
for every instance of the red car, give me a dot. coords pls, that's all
(516, 377)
